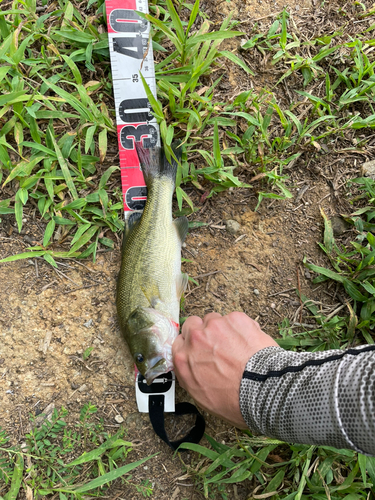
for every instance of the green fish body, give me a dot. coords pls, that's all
(150, 283)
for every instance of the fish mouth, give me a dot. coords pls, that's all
(157, 369)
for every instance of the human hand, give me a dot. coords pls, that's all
(210, 356)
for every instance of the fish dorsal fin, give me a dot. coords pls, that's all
(182, 282)
(182, 226)
(130, 224)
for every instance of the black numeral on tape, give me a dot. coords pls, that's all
(131, 197)
(143, 113)
(132, 47)
(130, 133)
(127, 21)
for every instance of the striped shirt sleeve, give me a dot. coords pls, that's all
(322, 398)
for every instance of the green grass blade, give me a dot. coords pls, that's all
(48, 258)
(176, 21)
(216, 35)
(64, 168)
(156, 105)
(85, 238)
(97, 452)
(24, 255)
(49, 232)
(16, 479)
(216, 147)
(106, 176)
(193, 16)
(232, 57)
(213, 455)
(74, 69)
(111, 476)
(325, 272)
(13, 97)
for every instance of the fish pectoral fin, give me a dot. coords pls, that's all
(130, 224)
(181, 284)
(182, 226)
(147, 295)
(152, 298)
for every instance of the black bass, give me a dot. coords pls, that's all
(150, 283)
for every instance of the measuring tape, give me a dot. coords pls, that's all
(130, 48)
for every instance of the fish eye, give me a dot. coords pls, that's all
(140, 358)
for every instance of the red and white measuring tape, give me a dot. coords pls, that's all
(130, 49)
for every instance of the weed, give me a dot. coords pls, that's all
(353, 268)
(57, 173)
(46, 464)
(282, 471)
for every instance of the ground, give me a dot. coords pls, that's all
(49, 318)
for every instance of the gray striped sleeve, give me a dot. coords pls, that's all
(323, 398)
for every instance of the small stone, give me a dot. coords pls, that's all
(307, 274)
(273, 305)
(88, 323)
(233, 227)
(339, 225)
(119, 419)
(256, 291)
(368, 169)
(82, 388)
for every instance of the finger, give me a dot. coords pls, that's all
(191, 323)
(209, 317)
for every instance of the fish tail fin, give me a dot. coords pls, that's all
(154, 163)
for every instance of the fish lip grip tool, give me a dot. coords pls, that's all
(163, 385)
(158, 398)
(130, 49)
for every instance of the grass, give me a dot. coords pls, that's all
(57, 128)
(47, 463)
(283, 471)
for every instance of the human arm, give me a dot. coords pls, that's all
(210, 357)
(236, 371)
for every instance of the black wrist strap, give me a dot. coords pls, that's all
(156, 413)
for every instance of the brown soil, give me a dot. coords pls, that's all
(257, 271)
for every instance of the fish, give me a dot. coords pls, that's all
(150, 283)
